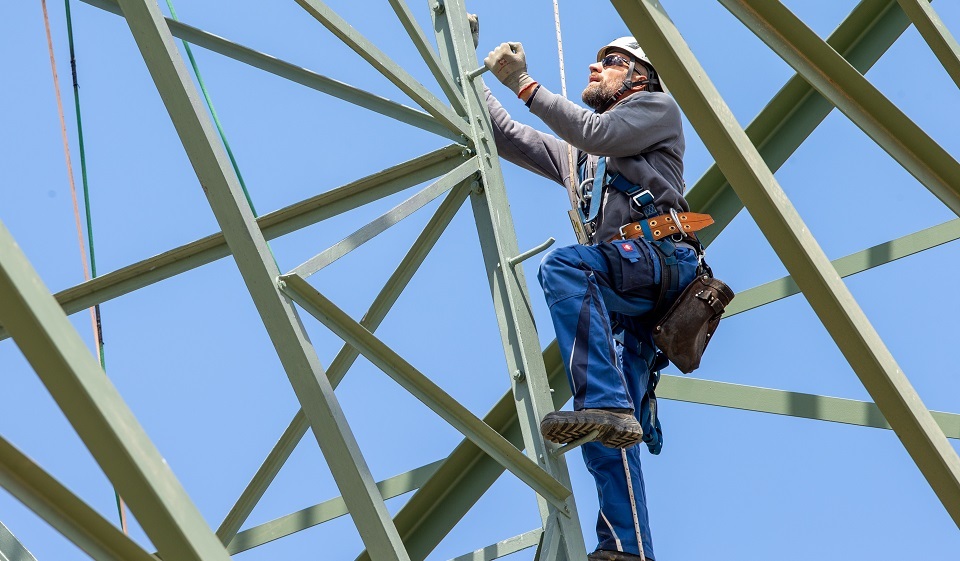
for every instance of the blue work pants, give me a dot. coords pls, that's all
(588, 288)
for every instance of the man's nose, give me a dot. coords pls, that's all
(596, 67)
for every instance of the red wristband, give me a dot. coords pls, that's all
(527, 87)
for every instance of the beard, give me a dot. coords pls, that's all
(598, 94)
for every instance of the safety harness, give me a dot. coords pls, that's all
(644, 201)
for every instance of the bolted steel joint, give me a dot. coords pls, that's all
(439, 8)
(519, 376)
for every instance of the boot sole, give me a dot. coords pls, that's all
(616, 431)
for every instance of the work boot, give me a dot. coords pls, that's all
(607, 555)
(618, 427)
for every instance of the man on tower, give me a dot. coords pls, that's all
(605, 293)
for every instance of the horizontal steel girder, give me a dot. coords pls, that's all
(325, 511)
(298, 74)
(851, 264)
(504, 548)
(273, 225)
(390, 69)
(380, 224)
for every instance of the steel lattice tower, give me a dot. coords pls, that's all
(829, 75)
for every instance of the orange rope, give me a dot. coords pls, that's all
(66, 151)
(76, 204)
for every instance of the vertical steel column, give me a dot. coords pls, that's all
(799, 252)
(259, 272)
(97, 412)
(511, 298)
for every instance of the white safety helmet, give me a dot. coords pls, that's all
(630, 45)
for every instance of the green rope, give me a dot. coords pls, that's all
(213, 113)
(86, 205)
(216, 121)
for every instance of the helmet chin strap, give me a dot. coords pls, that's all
(625, 87)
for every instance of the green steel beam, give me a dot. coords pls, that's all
(387, 219)
(433, 511)
(424, 389)
(508, 286)
(298, 74)
(936, 34)
(796, 247)
(468, 473)
(258, 269)
(797, 109)
(344, 359)
(97, 412)
(10, 547)
(506, 547)
(390, 69)
(63, 510)
(792, 404)
(853, 95)
(851, 264)
(325, 511)
(451, 90)
(275, 224)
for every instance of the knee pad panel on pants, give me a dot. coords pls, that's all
(563, 274)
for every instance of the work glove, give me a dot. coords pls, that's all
(474, 29)
(509, 65)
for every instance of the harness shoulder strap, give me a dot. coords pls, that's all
(596, 194)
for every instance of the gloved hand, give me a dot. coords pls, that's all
(509, 65)
(474, 29)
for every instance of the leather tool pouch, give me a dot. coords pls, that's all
(685, 330)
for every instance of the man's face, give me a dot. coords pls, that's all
(606, 77)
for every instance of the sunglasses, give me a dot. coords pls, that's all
(614, 60)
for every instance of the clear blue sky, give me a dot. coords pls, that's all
(190, 356)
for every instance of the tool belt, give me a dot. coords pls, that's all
(659, 227)
(685, 330)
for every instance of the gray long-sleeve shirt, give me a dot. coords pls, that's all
(642, 137)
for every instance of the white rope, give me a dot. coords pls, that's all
(563, 85)
(633, 503)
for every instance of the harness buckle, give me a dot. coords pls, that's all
(642, 198)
